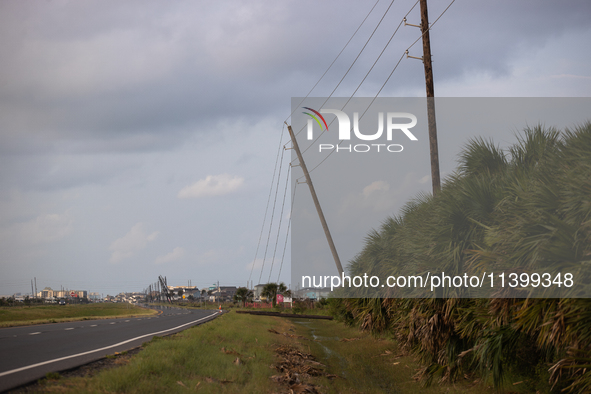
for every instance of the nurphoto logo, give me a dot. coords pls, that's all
(395, 122)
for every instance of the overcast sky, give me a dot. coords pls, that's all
(139, 138)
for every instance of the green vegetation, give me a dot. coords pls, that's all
(271, 290)
(227, 355)
(243, 295)
(40, 314)
(367, 364)
(52, 376)
(530, 206)
(238, 353)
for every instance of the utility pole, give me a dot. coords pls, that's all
(435, 180)
(333, 249)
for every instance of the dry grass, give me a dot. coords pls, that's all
(42, 314)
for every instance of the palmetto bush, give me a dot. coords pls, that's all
(528, 206)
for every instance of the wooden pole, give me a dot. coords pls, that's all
(434, 151)
(333, 249)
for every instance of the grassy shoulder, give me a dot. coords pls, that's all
(41, 314)
(366, 364)
(302, 310)
(240, 353)
(230, 354)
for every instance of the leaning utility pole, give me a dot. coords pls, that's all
(435, 180)
(333, 249)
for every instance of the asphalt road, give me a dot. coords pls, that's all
(28, 353)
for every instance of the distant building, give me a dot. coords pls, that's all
(224, 293)
(46, 293)
(49, 294)
(313, 293)
(187, 291)
(258, 289)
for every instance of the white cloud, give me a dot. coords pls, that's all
(376, 197)
(212, 185)
(176, 254)
(375, 187)
(131, 243)
(209, 257)
(45, 228)
(425, 179)
(257, 263)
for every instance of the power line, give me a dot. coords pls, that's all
(288, 228)
(323, 75)
(280, 220)
(356, 58)
(367, 74)
(387, 79)
(272, 216)
(367, 109)
(335, 59)
(267, 208)
(431, 25)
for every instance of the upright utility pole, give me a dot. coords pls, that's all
(435, 180)
(333, 249)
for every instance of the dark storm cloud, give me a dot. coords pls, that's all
(100, 71)
(489, 36)
(110, 71)
(93, 77)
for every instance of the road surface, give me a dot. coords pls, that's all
(28, 353)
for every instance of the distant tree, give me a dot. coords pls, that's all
(281, 288)
(269, 292)
(180, 293)
(242, 295)
(272, 289)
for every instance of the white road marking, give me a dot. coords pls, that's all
(94, 325)
(69, 328)
(98, 350)
(112, 323)
(34, 333)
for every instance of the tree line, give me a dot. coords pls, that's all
(525, 206)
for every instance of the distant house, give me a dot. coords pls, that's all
(186, 291)
(258, 289)
(224, 293)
